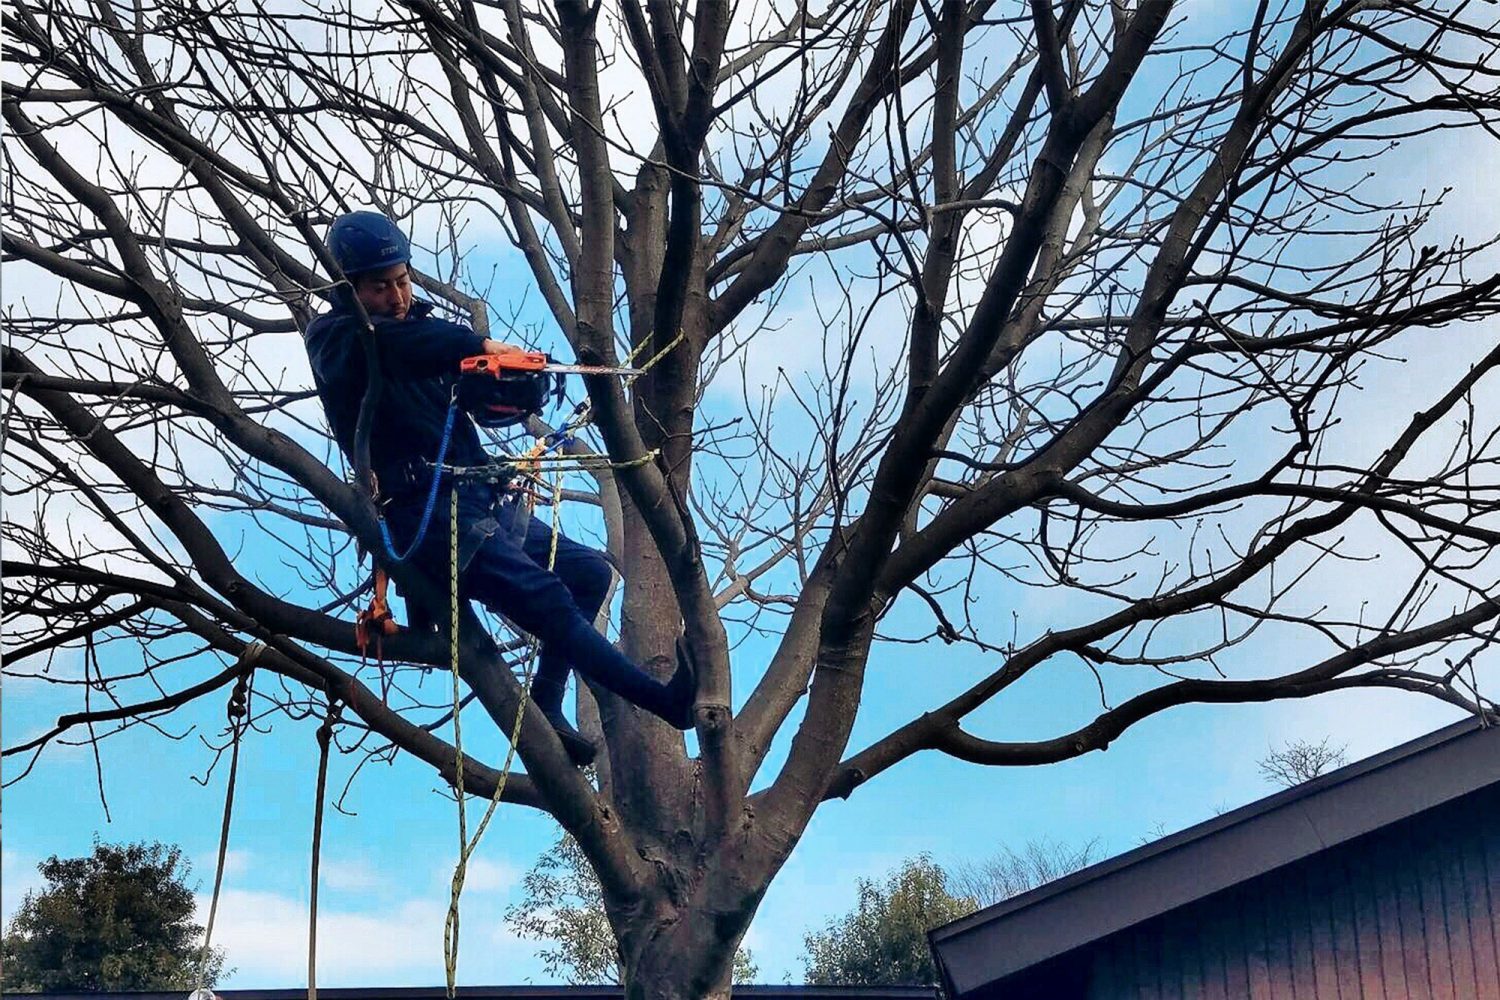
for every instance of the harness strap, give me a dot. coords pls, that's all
(473, 540)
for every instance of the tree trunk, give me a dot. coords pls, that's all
(686, 956)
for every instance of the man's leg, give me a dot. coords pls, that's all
(505, 578)
(587, 574)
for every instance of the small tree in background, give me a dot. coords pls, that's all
(883, 940)
(565, 904)
(119, 919)
(1301, 760)
(1010, 872)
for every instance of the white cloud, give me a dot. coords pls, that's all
(237, 864)
(265, 938)
(352, 874)
(377, 926)
(1365, 722)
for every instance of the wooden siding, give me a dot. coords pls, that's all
(1410, 912)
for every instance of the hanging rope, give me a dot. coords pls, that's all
(529, 671)
(432, 491)
(238, 713)
(450, 923)
(466, 846)
(558, 465)
(325, 737)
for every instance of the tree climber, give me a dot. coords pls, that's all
(503, 550)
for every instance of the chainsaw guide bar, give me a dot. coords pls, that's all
(498, 365)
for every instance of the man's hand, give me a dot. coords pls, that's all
(500, 347)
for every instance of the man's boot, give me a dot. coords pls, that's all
(671, 702)
(594, 656)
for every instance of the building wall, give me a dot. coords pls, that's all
(1410, 911)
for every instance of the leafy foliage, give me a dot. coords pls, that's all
(119, 919)
(565, 905)
(883, 940)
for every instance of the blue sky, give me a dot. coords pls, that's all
(384, 886)
(386, 869)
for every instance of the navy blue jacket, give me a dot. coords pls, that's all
(419, 358)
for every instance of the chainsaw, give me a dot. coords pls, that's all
(499, 390)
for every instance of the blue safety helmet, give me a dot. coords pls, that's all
(367, 241)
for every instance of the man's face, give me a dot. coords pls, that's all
(386, 292)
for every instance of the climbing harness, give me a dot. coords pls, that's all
(496, 390)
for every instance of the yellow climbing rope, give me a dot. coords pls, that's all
(657, 356)
(466, 846)
(534, 461)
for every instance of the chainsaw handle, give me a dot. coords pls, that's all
(499, 364)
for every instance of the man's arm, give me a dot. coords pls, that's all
(422, 348)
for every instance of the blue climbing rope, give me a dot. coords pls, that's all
(432, 494)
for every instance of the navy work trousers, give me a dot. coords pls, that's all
(505, 569)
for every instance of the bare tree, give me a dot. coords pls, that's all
(1100, 293)
(1011, 872)
(1301, 760)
